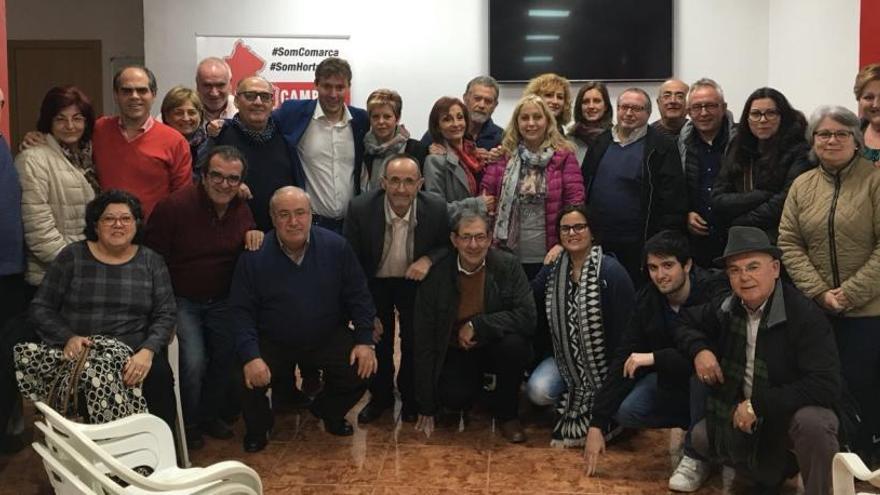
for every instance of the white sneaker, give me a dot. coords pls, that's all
(689, 476)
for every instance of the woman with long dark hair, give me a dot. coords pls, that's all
(767, 154)
(592, 116)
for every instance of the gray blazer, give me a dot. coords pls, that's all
(445, 177)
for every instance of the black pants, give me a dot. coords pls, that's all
(342, 386)
(159, 390)
(13, 329)
(629, 254)
(542, 344)
(388, 294)
(461, 379)
(858, 342)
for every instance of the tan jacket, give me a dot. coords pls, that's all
(54, 194)
(822, 253)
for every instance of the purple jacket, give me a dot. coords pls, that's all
(565, 186)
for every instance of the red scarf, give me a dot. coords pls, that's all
(468, 161)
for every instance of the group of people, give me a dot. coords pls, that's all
(571, 251)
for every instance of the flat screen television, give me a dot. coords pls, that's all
(605, 40)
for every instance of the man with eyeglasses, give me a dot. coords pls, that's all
(671, 98)
(769, 357)
(398, 232)
(200, 230)
(702, 144)
(634, 183)
(255, 133)
(295, 301)
(474, 312)
(325, 139)
(133, 151)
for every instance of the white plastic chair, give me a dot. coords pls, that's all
(180, 437)
(97, 481)
(847, 467)
(117, 447)
(63, 481)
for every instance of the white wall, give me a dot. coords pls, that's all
(430, 48)
(117, 23)
(814, 54)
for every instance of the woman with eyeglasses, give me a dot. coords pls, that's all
(867, 90)
(386, 138)
(535, 178)
(580, 281)
(830, 241)
(57, 179)
(768, 152)
(182, 110)
(109, 285)
(592, 116)
(555, 90)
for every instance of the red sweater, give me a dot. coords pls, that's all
(151, 166)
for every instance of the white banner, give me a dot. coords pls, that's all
(287, 62)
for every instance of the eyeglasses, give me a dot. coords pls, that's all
(751, 269)
(251, 96)
(630, 108)
(77, 119)
(217, 178)
(395, 182)
(699, 107)
(825, 136)
(468, 238)
(110, 220)
(576, 228)
(771, 115)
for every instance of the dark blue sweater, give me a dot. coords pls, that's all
(274, 299)
(11, 234)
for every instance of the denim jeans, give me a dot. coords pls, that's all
(206, 360)
(649, 406)
(545, 385)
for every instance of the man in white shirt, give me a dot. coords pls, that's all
(326, 142)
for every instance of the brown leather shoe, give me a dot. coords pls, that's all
(513, 431)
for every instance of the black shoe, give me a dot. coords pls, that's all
(371, 412)
(338, 427)
(11, 444)
(194, 440)
(216, 428)
(255, 443)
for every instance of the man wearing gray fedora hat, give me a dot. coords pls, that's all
(768, 356)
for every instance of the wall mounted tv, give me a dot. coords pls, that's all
(605, 40)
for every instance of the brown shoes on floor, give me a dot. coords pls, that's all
(513, 431)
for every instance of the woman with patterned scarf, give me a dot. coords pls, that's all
(386, 137)
(182, 110)
(533, 180)
(57, 179)
(455, 174)
(588, 296)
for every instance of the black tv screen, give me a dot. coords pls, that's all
(607, 40)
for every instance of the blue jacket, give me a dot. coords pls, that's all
(294, 116)
(274, 299)
(11, 233)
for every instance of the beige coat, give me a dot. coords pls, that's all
(54, 194)
(813, 245)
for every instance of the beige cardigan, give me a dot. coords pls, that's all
(805, 234)
(54, 194)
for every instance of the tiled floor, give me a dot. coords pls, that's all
(384, 459)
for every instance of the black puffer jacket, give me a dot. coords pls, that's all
(751, 194)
